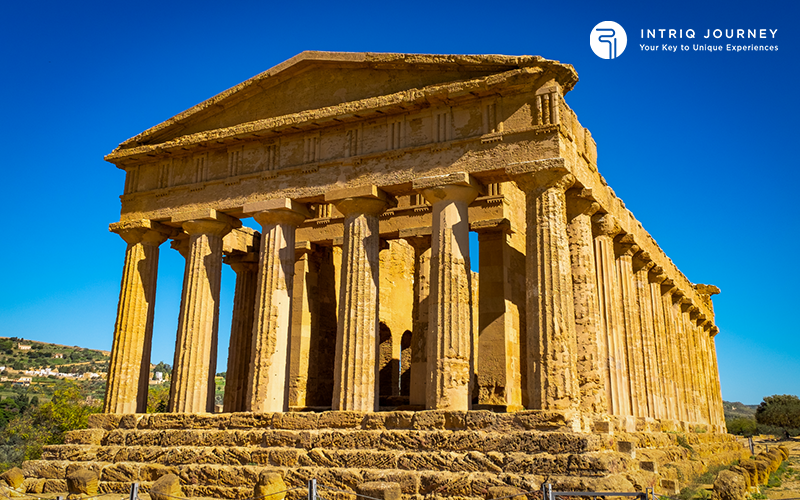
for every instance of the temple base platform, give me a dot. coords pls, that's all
(430, 454)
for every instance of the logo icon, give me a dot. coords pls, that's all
(608, 40)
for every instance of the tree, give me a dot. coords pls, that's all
(781, 411)
(741, 426)
(158, 398)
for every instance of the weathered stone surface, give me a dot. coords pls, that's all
(381, 490)
(84, 436)
(729, 486)
(82, 482)
(166, 488)
(13, 477)
(270, 486)
(506, 492)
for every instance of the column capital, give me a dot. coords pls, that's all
(540, 175)
(142, 230)
(642, 261)
(625, 245)
(206, 221)
(458, 186)
(277, 211)
(203, 226)
(714, 330)
(368, 200)
(656, 275)
(180, 243)
(605, 225)
(208, 214)
(580, 202)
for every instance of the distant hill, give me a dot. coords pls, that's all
(739, 410)
(18, 354)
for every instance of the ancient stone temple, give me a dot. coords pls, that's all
(356, 311)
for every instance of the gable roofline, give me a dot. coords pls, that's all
(565, 74)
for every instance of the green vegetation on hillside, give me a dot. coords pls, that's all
(776, 415)
(29, 426)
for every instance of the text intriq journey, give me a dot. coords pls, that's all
(762, 33)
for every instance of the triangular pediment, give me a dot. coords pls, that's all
(314, 80)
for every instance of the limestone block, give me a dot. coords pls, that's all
(270, 486)
(287, 438)
(284, 457)
(381, 490)
(642, 479)
(544, 419)
(166, 487)
(408, 480)
(54, 486)
(650, 466)
(46, 469)
(430, 419)
(295, 421)
(247, 420)
(613, 482)
(33, 485)
(13, 477)
(85, 436)
(82, 482)
(479, 419)
(745, 475)
(775, 458)
(509, 492)
(120, 472)
(340, 419)
(763, 467)
(400, 420)
(729, 486)
(351, 439)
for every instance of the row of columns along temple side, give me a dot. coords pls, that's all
(601, 328)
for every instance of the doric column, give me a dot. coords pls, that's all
(552, 373)
(688, 351)
(701, 370)
(705, 385)
(267, 384)
(653, 381)
(625, 248)
(240, 348)
(715, 377)
(592, 367)
(420, 312)
(678, 339)
(674, 345)
(355, 374)
(192, 389)
(304, 307)
(450, 314)
(605, 228)
(498, 363)
(129, 370)
(656, 277)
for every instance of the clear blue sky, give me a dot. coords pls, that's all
(701, 146)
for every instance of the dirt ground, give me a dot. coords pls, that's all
(790, 487)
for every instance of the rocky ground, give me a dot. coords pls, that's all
(790, 484)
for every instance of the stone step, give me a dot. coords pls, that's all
(512, 441)
(544, 420)
(237, 482)
(581, 464)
